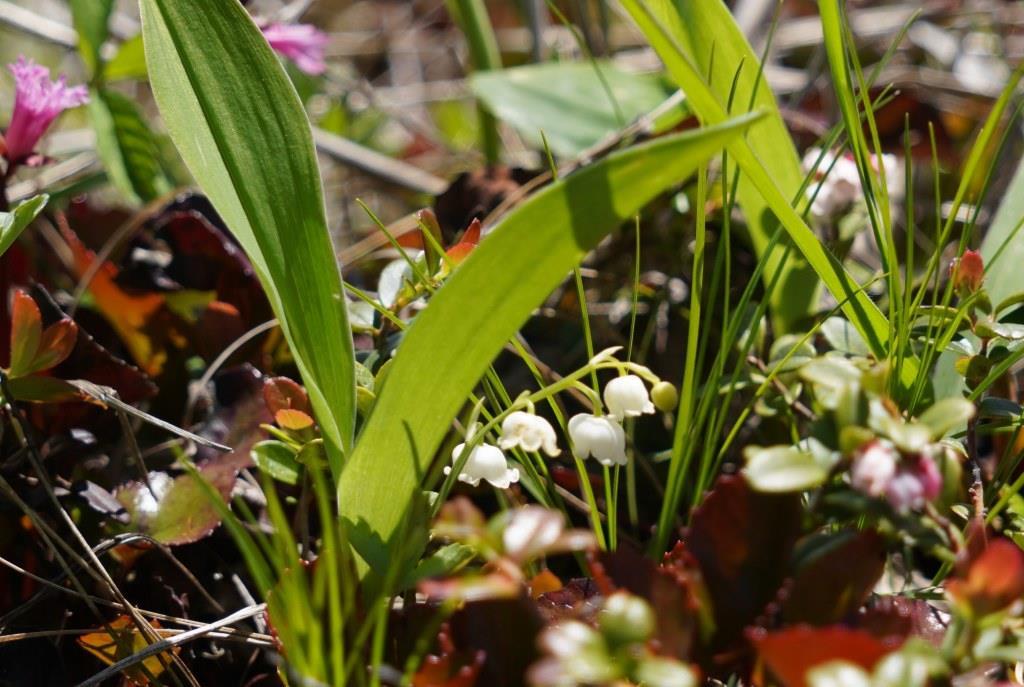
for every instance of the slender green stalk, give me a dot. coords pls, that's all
(471, 15)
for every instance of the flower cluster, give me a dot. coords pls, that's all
(906, 482)
(38, 101)
(600, 436)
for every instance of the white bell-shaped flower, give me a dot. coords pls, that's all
(627, 397)
(874, 467)
(485, 462)
(601, 437)
(529, 432)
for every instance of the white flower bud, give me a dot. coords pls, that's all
(529, 432)
(485, 462)
(627, 397)
(601, 437)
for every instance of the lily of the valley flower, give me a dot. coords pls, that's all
(37, 102)
(303, 44)
(529, 432)
(598, 436)
(486, 462)
(627, 396)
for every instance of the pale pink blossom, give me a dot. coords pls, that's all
(917, 482)
(37, 102)
(874, 467)
(303, 44)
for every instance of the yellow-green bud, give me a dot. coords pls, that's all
(665, 396)
(626, 619)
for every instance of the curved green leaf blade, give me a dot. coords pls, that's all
(662, 27)
(127, 146)
(450, 344)
(707, 32)
(14, 222)
(241, 129)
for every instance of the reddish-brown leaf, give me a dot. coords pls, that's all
(281, 393)
(742, 540)
(788, 654)
(834, 579)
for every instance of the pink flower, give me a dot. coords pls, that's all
(917, 482)
(303, 44)
(37, 102)
(874, 467)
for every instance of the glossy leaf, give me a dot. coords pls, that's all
(277, 459)
(782, 469)
(14, 222)
(241, 129)
(790, 653)
(127, 146)
(568, 101)
(483, 304)
(26, 332)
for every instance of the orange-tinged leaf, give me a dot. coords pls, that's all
(791, 652)
(122, 641)
(128, 313)
(55, 346)
(26, 332)
(543, 582)
(994, 581)
(470, 240)
(294, 420)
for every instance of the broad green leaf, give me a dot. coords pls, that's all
(665, 31)
(707, 35)
(129, 62)
(487, 299)
(444, 561)
(842, 337)
(127, 146)
(239, 125)
(568, 101)
(14, 222)
(176, 510)
(946, 415)
(1003, 246)
(780, 469)
(90, 18)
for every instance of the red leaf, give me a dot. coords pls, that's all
(994, 581)
(790, 653)
(26, 332)
(57, 342)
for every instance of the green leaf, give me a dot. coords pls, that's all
(240, 127)
(947, 415)
(14, 222)
(669, 26)
(127, 146)
(177, 510)
(568, 101)
(444, 561)
(842, 337)
(780, 469)
(90, 18)
(450, 344)
(129, 62)
(707, 37)
(277, 459)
